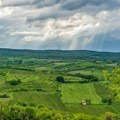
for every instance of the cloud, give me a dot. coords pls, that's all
(33, 3)
(68, 24)
(5, 12)
(80, 27)
(44, 13)
(25, 33)
(77, 4)
(45, 3)
(79, 30)
(68, 8)
(6, 3)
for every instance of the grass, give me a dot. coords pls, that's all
(51, 101)
(72, 79)
(102, 91)
(90, 109)
(94, 109)
(75, 93)
(85, 72)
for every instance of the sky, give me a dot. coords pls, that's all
(60, 24)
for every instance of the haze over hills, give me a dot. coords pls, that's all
(61, 54)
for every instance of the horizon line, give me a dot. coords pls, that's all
(60, 50)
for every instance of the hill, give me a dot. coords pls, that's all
(62, 54)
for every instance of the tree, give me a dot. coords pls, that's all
(109, 101)
(109, 116)
(113, 78)
(14, 82)
(104, 100)
(60, 79)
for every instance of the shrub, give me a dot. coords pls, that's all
(60, 79)
(30, 113)
(32, 104)
(2, 74)
(109, 101)
(40, 106)
(109, 116)
(38, 89)
(14, 82)
(88, 101)
(104, 100)
(88, 78)
(4, 96)
(22, 104)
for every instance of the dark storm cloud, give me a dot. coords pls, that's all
(6, 3)
(65, 8)
(77, 4)
(34, 3)
(54, 13)
(106, 42)
(45, 3)
(65, 4)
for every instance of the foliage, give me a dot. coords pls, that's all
(109, 116)
(4, 96)
(108, 101)
(56, 54)
(9, 112)
(113, 78)
(60, 79)
(104, 100)
(30, 113)
(88, 101)
(87, 78)
(14, 82)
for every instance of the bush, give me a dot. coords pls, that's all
(14, 82)
(31, 113)
(32, 105)
(88, 78)
(109, 116)
(60, 79)
(109, 101)
(2, 74)
(22, 104)
(40, 106)
(38, 89)
(104, 100)
(88, 101)
(4, 96)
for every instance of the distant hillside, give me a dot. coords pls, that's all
(56, 54)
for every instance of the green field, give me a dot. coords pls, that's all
(76, 93)
(52, 101)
